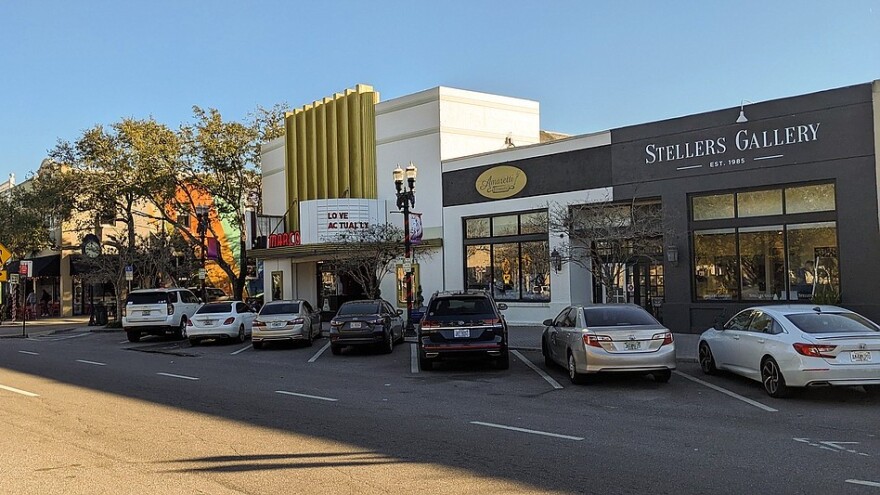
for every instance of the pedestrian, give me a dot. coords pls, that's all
(44, 303)
(31, 303)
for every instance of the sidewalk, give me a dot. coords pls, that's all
(529, 338)
(45, 326)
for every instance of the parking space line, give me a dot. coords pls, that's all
(727, 392)
(553, 383)
(91, 362)
(524, 430)
(178, 376)
(307, 396)
(318, 354)
(864, 483)
(249, 346)
(30, 353)
(125, 342)
(19, 391)
(414, 359)
(69, 337)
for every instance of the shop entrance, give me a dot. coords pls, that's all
(639, 283)
(334, 289)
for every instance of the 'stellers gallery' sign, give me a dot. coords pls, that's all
(501, 182)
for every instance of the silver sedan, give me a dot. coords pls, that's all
(587, 340)
(797, 345)
(289, 321)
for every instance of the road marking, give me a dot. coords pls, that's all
(727, 392)
(328, 399)
(832, 446)
(125, 342)
(18, 391)
(414, 359)
(553, 383)
(178, 376)
(524, 430)
(30, 353)
(241, 350)
(91, 362)
(68, 337)
(864, 483)
(320, 351)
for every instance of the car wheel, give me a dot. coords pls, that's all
(193, 342)
(134, 336)
(576, 377)
(503, 362)
(240, 337)
(180, 333)
(388, 343)
(256, 345)
(336, 349)
(707, 360)
(772, 379)
(662, 376)
(548, 361)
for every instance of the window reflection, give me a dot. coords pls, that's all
(716, 265)
(478, 267)
(762, 263)
(713, 207)
(805, 199)
(506, 283)
(813, 269)
(759, 203)
(536, 271)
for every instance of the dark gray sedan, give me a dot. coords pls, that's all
(368, 322)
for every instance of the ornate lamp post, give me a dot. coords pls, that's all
(202, 218)
(406, 198)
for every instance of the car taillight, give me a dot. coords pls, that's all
(258, 323)
(815, 350)
(229, 321)
(336, 323)
(297, 321)
(428, 327)
(666, 336)
(593, 340)
(170, 309)
(377, 321)
(124, 312)
(189, 323)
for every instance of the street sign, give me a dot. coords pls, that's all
(14, 278)
(129, 272)
(407, 265)
(4, 254)
(4, 276)
(26, 268)
(202, 274)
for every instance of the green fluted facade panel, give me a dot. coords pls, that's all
(333, 189)
(355, 172)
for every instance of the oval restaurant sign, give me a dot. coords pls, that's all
(501, 182)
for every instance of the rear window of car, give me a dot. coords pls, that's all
(832, 323)
(280, 309)
(450, 306)
(616, 317)
(150, 298)
(366, 308)
(215, 308)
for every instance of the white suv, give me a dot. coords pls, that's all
(158, 312)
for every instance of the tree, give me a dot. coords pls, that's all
(605, 237)
(367, 255)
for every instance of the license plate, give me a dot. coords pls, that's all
(276, 324)
(461, 333)
(209, 323)
(145, 313)
(860, 356)
(355, 324)
(632, 345)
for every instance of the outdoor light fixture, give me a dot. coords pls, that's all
(556, 260)
(742, 114)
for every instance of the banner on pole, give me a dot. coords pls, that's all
(415, 228)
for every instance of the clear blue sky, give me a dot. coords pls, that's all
(68, 65)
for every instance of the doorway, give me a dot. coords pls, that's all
(639, 283)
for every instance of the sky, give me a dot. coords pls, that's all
(67, 66)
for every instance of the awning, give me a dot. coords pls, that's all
(317, 252)
(44, 266)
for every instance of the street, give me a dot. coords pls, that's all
(87, 412)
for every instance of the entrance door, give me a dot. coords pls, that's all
(645, 285)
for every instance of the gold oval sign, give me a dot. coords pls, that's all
(501, 182)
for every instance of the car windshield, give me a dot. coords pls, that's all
(832, 323)
(147, 298)
(280, 309)
(610, 316)
(360, 308)
(215, 308)
(449, 306)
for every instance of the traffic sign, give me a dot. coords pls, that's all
(202, 274)
(4, 254)
(26, 268)
(129, 272)
(14, 278)
(4, 276)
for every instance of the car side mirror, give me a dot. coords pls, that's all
(399, 312)
(502, 306)
(718, 326)
(548, 322)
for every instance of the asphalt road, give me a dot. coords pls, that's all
(90, 413)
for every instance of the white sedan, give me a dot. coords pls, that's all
(221, 320)
(798, 345)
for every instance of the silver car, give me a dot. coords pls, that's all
(587, 340)
(796, 345)
(286, 321)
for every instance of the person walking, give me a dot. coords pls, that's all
(44, 303)
(31, 303)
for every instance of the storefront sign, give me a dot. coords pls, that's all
(285, 239)
(26, 268)
(501, 182)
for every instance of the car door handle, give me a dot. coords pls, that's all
(736, 337)
(761, 341)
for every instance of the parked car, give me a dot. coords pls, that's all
(463, 324)
(290, 321)
(601, 338)
(797, 345)
(221, 320)
(158, 312)
(367, 322)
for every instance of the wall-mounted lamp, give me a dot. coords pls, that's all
(672, 254)
(556, 260)
(742, 114)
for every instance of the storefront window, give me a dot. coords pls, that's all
(506, 225)
(762, 263)
(533, 223)
(716, 265)
(536, 271)
(506, 284)
(805, 199)
(813, 263)
(713, 207)
(759, 203)
(478, 270)
(476, 228)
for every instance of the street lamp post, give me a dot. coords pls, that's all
(202, 217)
(406, 198)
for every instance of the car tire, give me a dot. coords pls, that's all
(180, 333)
(133, 336)
(576, 377)
(256, 345)
(335, 349)
(426, 364)
(548, 361)
(662, 376)
(772, 379)
(193, 342)
(872, 390)
(388, 343)
(503, 362)
(707, 359)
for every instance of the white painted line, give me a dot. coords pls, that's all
(178, 376)
(767, 157)
(328, 399)
(320, 351)
(241, 350)
(91, 362)
(864, 483)
(414, 359)
(727, 392)
(18, 391)
(523, 430)
(553, 383)
(688, 167)
(69, 337)
(125, 342)
(30, 353)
